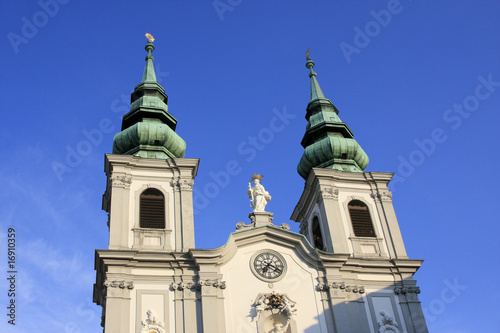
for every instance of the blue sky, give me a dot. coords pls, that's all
(417, 82)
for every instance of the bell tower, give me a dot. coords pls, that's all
(149, 201)
(345, 211)
(342, 208)
(149, 182)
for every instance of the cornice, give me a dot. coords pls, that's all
(151, 163)
(245, 237)
(143, 259)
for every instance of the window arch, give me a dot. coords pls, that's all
(316, 234)
(361, 219)
(152, 209)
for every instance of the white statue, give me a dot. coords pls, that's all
(152, 324)
(258, 194)
(279, 328)
(387, 323)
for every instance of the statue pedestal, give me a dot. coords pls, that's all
(261, 218)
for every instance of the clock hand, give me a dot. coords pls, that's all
(274, 267)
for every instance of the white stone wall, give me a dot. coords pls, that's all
(243, 287)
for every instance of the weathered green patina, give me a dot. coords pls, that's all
(148, 130)
(328, 142)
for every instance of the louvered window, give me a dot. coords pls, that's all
(361, 220)
(316, 232)
(152, 210)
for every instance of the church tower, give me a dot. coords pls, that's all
(149, 202)
(149, 182)
(344, 210)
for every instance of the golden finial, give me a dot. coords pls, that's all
(150, 37)
(257, 176)
(307, 54)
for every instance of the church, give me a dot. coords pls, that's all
(347, 270)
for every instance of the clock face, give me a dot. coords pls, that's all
(268, 265)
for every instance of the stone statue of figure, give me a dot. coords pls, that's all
(152, 324)
(279, 328)
(258, 194)
(387, 323)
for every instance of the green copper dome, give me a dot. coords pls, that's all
(328, 142)
(148, 130)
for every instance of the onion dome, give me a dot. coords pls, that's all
(328, 142)
(148, 130)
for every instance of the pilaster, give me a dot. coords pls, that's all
(388, 215)
(118, 306)
(412, 309)
(332, 223)
(119, 215)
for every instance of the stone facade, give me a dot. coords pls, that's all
(346, 272)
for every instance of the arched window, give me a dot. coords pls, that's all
(152, 209)
(316, 234)
(361, 220)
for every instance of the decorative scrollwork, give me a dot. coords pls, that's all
(328, 192)
(185, 184)
(121, 181)
(384, 195)
(276, 301)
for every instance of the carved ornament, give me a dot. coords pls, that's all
(119, 284)
(328, 192)
(184, 185)
(208, 283)
(387, 323)
(411, 293)
(340, 285)
(242, 225)
(407, 290)
(384, 195)
(275, 301)
(121, 181)
(152, 324)
(117, 288)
